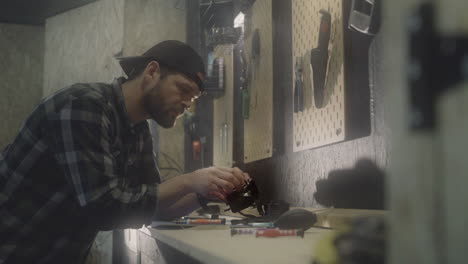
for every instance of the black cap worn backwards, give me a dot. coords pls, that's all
(175, 55)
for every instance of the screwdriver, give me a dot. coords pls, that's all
(201, 221)
(274, 232)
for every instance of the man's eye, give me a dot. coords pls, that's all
(185, 90)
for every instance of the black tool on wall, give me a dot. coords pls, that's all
(244, 86)
(255, 46)
(319, 58)
(298, 87)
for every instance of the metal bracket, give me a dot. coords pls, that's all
(436, 64)
(364, 16)
(214, 84)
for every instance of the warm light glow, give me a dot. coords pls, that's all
(239, 20)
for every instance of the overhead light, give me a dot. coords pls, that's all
(239, 20)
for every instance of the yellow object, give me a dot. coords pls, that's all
(325, 250)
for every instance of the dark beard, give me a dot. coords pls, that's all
(157, 112)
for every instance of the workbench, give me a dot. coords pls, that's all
(214, 244)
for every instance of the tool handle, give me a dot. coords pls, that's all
(324, 30)
(297, 94)
(300, 95)
(319, 62)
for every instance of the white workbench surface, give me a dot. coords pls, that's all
(214, 244)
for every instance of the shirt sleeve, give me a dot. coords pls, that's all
(149, 164)
(82, 135)
(147, 160)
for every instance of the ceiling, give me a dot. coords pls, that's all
(34, 12)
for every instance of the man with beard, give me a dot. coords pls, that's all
(83, 160)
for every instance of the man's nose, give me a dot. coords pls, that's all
(187, 104)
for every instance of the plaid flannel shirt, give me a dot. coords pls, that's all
(77, 166)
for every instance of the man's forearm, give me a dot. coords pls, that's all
(207, 182)
(171, 191)
(184, 206)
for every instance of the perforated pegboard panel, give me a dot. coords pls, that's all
(314, 126)
(258, 134)
(223, 111)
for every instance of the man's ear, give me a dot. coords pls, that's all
(153, 69)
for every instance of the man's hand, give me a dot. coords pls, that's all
(238, 178)
(177, 195)
(217, 182)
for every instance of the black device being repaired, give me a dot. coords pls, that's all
(249, 196)
(244, 198)
(275, 211)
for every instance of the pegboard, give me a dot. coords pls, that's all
(314, 126)
(258, 132)
(223, 111)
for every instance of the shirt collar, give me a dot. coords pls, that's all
(117, 87)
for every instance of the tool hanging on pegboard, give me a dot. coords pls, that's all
(319, 59)
(244, 87)
(254, 66)
(255, 52)
(298, 86)
(214, 84)
(222, 36)
(223, 110)
(249, 74)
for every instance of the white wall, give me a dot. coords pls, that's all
(80, 45)
(21, 64)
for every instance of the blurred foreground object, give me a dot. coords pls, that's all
(363, 241)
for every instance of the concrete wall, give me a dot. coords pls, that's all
(80, 45)
(21, 64)
(148, 22)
